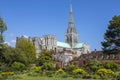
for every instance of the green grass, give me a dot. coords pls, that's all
(25, 77)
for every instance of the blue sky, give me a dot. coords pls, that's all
(41, 17)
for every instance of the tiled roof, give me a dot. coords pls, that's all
(79, 45)
(63, 44)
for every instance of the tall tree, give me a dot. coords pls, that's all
(3, 27)
(27, 49)
(112, 36)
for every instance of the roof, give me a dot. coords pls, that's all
(79, 45)
(63, 44)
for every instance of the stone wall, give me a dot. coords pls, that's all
(99, 55)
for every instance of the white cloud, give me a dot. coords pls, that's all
(13, 41)
(7, 43)
(25, 36)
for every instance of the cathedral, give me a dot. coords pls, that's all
(64, 50)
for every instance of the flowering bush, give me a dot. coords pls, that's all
(60, 71)
(79, 71)
(105, 73)
(6, 74)
(70, 68)
(36, 68)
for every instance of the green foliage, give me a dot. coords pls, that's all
(105, 73)
(110, 65)
(50, 73)
(14, 77)
(79, 71)
(3, 67)
(117, 74)
(45, 57)
(48, 66)
(47, 52)
(3, 27)
(60, 71)
(10, 55)
(70, 68)
(18, 66)
(6, 74)
(93, 66)
(1, 39)
(112, 36)
(27, 50)
(65, 75)
(34, 74)
(36, 68)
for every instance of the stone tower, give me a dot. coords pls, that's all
(71, 36)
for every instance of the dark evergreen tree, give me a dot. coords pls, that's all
(111, 44)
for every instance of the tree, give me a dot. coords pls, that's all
(112, 36)
(3, 27)
(11, 55)
(27, 50)
(45, 57)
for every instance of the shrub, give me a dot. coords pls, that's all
(18, 66)
(14, 77)
(48, 66)
(60, 71)
(6, 74)
(117, 74)
(70, 68)
(50, 73)
(76, 76)
(105, 73)
(36, 68)
(65, 76)
(93, 66)
(79, 71)
(95, 76)
(4, 67)
(2, 78)
(110, 65)
(32, 74)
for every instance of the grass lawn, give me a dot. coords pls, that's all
(25, 77)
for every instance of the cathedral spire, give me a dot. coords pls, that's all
(71, 26)
(71, 34)
(71, 14)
